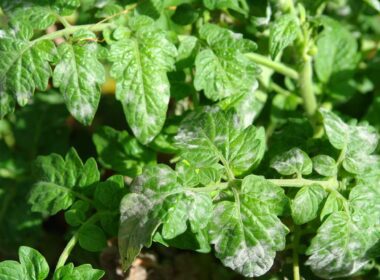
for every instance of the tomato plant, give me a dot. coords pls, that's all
(248, 130)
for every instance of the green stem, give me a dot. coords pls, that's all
(64, 22)
(296, 268)
(66, 252)
(305, 83)
(299, 183)
(72, 29)
(214, 187)
(72, 242)
(276, 66)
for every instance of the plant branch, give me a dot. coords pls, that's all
(64, 22)
(296, 267)
(276, 66)
(73, 241)
(213, 187)
(66, 252)
(72, 29)
(299, 183)
(305, 83)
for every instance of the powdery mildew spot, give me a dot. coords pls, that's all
(23, 97)
(162, 88)
(2, 34)
(251, 261)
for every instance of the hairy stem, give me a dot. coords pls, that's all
(66, 252)
(296, 268)
(299, 183)
(72, 29)
(276, 66)
(305, 83)
(64, 22)
(213, 187)
(73, 241)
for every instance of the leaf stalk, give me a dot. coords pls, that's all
(276, 66)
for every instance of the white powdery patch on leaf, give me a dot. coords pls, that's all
(251, 261)
(2, 34)
(23, 98)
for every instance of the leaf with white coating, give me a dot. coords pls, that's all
(79, 75)
(246, 232)
(212, 136)
(157, 198)
(24, 66)
(294, 161)
(140, 66)
(222, 70)
(283, 32)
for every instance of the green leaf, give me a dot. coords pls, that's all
(92, 238)
(66, 7)
(283, 31)
(151, 8)
(374, 4)
(61, 182)
(82, 272)
(36, 266)
(119, 151)
(206, 138)
(187, 51)
(222, 69)
(240, 6)
(337, 57)
(76, 215)
(357, 142)
(32, 266)
(185, 14)
(109, 193)
(336, 50)
(366, 197)
(187, 241)
(325, 165)
(36, 16)
(24, 66)
(306, 204)
(341, 243)
(157, 198)
(79, 75)
(337, 131)
(334, 203)
(247, 106)
(294, 161)
(140, 66)
(191, 175)
(246, 232)
(11, 270)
